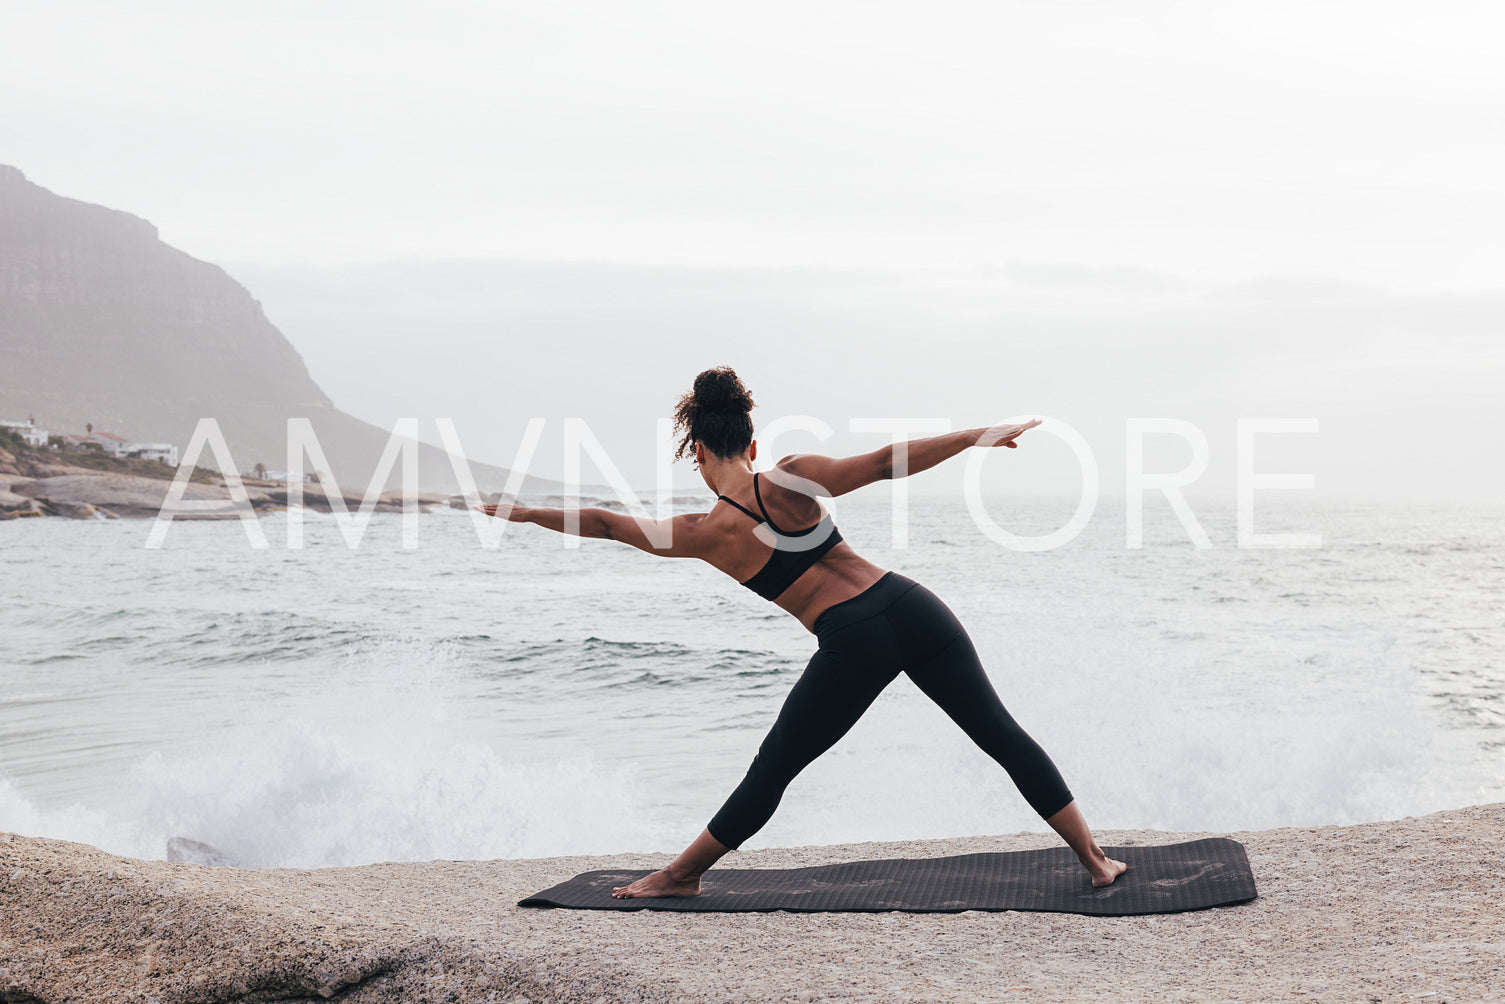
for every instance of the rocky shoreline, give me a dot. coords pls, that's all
(37, 483)
(33, 488)
(79, 493)
(1398, 910)
(84, 494)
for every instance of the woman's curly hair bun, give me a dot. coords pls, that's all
(720, 390)
(715, 412)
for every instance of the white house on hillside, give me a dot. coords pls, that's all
(120, 447)
(165, 452)
(115, 446)
(29, 433)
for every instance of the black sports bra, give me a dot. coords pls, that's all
(786, 563)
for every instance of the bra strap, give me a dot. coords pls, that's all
(758, 494)
(772, 525)
(739, 505)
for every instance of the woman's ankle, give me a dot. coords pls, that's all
(682, 873)
(1093, 856)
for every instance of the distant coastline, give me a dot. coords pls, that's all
(40, 482)
(87, 484)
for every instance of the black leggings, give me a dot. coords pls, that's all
(896, 625)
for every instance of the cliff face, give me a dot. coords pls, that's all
(102, 322)
(99, 314)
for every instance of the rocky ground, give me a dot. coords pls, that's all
(92, 495)
(34, 484)
(38, 484)
(1392, 911)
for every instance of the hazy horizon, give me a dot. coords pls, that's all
(1399, 384)
(1085, 211)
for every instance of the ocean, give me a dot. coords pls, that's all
(337, 706)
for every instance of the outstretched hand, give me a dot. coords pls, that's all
(1004, 435)
(502, 509)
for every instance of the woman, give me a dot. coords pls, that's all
(871, 624)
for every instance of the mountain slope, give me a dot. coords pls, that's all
(103, 323)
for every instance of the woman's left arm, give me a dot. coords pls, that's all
(676, 537)
(832, 476)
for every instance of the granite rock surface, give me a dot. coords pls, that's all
(1387, 911)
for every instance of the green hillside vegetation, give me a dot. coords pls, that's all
(96, 460)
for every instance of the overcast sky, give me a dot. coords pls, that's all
(1087, 210)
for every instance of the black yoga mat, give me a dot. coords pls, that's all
(1166, 879)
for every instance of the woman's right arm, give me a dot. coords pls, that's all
(832, 476)
(676, 537)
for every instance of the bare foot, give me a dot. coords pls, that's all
(1104, 873)
(660, 883)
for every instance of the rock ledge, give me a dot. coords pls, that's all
(1377, 911)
